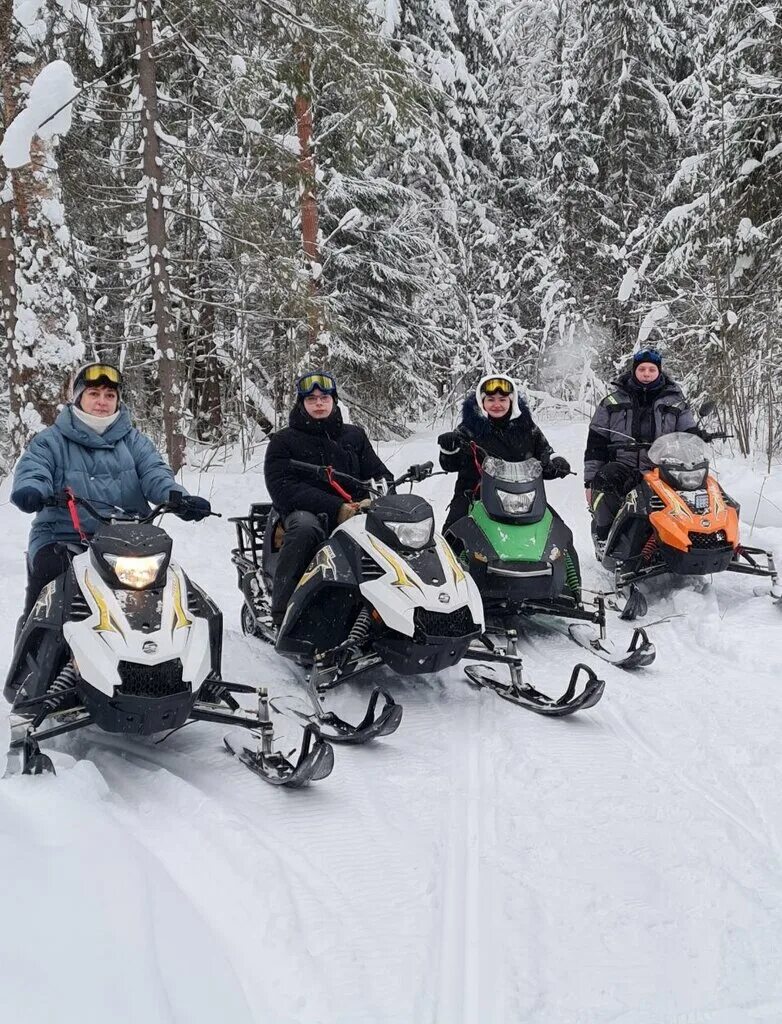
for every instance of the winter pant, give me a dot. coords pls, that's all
(611, 485)
(304, 533)
(49, 563)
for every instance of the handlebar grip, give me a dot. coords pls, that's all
(305, 465)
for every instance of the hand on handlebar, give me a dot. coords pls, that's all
(557, 469)
(191, 508)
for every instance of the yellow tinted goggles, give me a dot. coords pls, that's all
(322, 381)
(101, 371)
(497, 385)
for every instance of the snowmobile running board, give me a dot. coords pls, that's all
(524, 695)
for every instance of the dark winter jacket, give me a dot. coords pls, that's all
(631, 411)
(328, 442)
(121, 466)
(512, 440)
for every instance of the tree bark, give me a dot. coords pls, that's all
(166, 338)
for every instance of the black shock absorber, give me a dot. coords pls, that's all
(359, 632)
(59, 690)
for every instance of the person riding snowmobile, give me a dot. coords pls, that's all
(645, 404)
(310, 508)
(94, 449)
(496, 418)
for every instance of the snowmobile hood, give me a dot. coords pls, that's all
(76, 430)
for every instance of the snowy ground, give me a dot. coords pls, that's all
(481, 866)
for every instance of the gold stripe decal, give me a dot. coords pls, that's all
(458, 572)
(402, 579)
(105, 622)
(180, 618)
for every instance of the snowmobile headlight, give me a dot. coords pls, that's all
(516, 504)
(136, 572)
(687, 479)
(412, 535)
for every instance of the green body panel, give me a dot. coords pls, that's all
(514, 543)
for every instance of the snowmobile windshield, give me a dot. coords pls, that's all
(682, 458)
(684, 451)
(513, 472)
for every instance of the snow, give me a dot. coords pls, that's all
(480, 865)
(628, 284)
(47, 113)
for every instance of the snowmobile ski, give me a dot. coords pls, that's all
(315, 760)
(639, 654)
(522, 693)
(333, 729)
(526, 696)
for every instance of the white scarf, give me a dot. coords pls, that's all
(100, 424)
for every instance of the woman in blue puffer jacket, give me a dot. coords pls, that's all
(93, 448)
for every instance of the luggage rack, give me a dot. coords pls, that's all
(247, 556)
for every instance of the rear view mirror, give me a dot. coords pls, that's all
(707, 409)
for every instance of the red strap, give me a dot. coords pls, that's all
(478, 466)
(335, 486)
(74, 511)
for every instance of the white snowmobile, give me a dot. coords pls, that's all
(384, 589)
(124, 640)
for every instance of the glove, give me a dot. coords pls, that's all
(346, 511)
(192, 509)
(450, 441)
(28, 499)
(557, 469)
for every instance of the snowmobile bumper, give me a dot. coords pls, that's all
(409, 658)
(698, 561)
(137, 715)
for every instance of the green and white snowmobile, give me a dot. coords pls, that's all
(521, 555)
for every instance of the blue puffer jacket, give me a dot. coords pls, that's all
(121, 466)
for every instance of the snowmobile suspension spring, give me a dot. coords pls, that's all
(571, 576)
(360, 629)
(648, 549)
(57, 693)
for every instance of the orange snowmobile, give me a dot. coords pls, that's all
(678, 520)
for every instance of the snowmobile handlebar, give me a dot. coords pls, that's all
(415, 474)
(65, 498)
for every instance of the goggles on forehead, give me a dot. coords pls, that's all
(98, 373)
(648, 355)
(322, 381)
(497, 386)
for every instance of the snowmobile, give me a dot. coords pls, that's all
(384, 589)
(125, 641)
(522, 558)
(678, 521)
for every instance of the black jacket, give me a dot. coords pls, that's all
(328, 442)
(512, 440)
(643, 414)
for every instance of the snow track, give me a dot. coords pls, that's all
(481, 866)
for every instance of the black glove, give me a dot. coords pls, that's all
(615, 478)
(192, 508)
(556, 469)
(450, 441)
(28, 499)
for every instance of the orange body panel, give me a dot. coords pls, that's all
(674, 523)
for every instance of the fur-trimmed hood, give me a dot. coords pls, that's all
(478, 424)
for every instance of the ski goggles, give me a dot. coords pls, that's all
(497, 386)
(100, 373)
(648, 355)
(322, 381)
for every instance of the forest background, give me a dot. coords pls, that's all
(407, 192)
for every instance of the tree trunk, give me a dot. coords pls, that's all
(308, 210)
(43, 345)
(166, 339)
